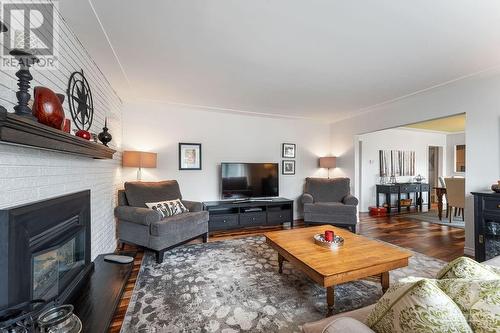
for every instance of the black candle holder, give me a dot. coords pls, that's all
(3, 28)
(26, 60)
(105, 137)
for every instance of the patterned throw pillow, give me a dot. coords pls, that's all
(466, 268)
(168, 208)
(417, 307)
(479, 301)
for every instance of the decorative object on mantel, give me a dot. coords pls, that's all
(67, 126)
(328, 162)
(496, 187)
(105, 137)
(47, 107)
(83, 134)
(81, 104)
(19, 130)
(139, 159)
(3, 27)
(26, 60)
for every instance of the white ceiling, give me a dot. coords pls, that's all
(323, 59)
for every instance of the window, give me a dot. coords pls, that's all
(460, 158)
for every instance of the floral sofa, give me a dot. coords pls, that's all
(359, 321)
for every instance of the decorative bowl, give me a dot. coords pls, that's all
(495, 188)
(337, 242)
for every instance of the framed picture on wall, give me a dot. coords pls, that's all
(189, 156)
(288, 167)
(288, 150)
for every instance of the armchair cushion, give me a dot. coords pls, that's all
(347, 325)
(138, 193)
(327, 190)
(330, 208)
(137, 215)
(176, 224)
(350, 200)
(193, 206)
(307, 198)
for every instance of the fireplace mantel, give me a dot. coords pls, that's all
(19, 130)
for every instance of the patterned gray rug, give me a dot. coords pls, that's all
(233, 285)
(432, 217)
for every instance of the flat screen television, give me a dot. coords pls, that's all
(249, 180)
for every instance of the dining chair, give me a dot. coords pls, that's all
(455, 192)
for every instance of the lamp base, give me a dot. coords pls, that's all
(139, 174)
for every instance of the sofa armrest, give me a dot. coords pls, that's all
(193, 206)
(350, 200)
(137, 215)
(307, 198)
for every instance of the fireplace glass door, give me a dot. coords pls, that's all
(54, 267)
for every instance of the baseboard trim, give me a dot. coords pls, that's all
(468, 251)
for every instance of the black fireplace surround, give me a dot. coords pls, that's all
(45, 249)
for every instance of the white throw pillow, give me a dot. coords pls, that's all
(168, 208)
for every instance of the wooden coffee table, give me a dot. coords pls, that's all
(358, 258)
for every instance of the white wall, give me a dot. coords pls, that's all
(28, 174)
(224, 137)
(393, 139)
(451, 141)
(477, 96)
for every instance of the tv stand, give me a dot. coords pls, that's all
(236, 214)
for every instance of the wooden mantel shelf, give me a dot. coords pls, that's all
(20, 130)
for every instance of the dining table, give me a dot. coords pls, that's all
(440, 193)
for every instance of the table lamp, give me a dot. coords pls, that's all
(329, 162)
(138, 159)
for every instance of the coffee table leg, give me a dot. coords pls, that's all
(280, 263)
(330, 299)
(384, 279)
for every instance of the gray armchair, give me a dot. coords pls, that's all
(145, 227)
(329, 201)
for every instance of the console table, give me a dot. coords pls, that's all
(398, 189)
(234, 214)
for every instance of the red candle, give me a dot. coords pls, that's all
(329, 235)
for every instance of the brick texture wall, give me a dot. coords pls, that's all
(28, 174)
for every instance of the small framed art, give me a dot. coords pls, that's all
(189, 156)
(288, 150)
(288, 167)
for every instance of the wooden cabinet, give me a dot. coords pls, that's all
(486, 225)
(227, 215)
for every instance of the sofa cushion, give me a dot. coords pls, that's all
(168, 208)
(417, 307)
(176, 224)
(479, 301)
(138, 193)
(467, 268)
(330, 208)
(328, 190)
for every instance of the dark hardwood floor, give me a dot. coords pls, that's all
(442, 242)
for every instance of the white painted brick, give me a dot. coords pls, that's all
(28, 174)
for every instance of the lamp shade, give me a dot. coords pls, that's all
(329, 162)
(139, 159)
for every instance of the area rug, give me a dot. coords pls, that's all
(432, 217)
(232, 286)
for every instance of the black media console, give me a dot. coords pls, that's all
(235, 214)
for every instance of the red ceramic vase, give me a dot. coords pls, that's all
(83, 134)
(47, 107)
